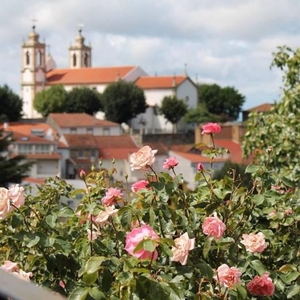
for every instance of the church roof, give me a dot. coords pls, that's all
(87, 75)
(156, 82)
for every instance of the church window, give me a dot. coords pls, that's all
(74, 60)
(39, 58)
(27, 58)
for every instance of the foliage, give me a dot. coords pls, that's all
(279, 129)
(123, 101)
(13, 169)
(173, 109)
(52, 100)
(53, 242)
(83, 99)
(236, 171)
(10, 105)
(200, 115)
(225, 102)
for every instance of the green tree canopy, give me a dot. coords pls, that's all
(13, 169)
(83, 99)
(10, 105)
(225, 102)
(173, 109)
(123, 101)
(199, 115)
(52, 100)
(274, 136)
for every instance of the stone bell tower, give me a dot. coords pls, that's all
(33, 72)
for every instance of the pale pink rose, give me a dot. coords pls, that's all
(288, 212)
(16, 195)
(200, 167)
(142, 159)
(228, 277)
(278, 188)
(141, 184)
(170, 163)
(254, 242)
(213, 226)
(112, 194)
(82, 174)
(23, 275)
(9, 266)
(92, 234)
(4, 203)
(183, 245)
(211, 128)
(103, 216)
(261, 286)
(138, 234)
(272, 214)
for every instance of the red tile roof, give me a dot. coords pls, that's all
(33, 180)
(80, 120)
(197, 158)
(81, 141)
(159, 82)
(260, 108)
(87, 75)
(116, 153)
(120, 141)
(21, 138)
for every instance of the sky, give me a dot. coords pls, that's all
(227, 42)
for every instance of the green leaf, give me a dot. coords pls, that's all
(65, 212)
(288, 278)
(51, 220)
(252, 169)
(293, 291)
(90, 278)
(94, 263)
(79, 294)
(96, 294)
(241, 292)
(258, 266)
(206, 271)
(149, 245)
(207, 247)
(31, 239)
(258, 199)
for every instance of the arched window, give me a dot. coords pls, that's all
(74, 60)
(86, 60)
(27, 58)
(39, 57)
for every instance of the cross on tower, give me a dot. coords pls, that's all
(33, 23)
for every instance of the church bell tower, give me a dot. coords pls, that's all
(33, 72)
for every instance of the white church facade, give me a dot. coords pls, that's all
(39, 72)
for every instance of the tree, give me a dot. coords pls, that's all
(10, 105)
(13, 169)
(274, 136)
(226, 102)
(52, 100)
(199, 115)
(173, 109)
(83, 99)
(123, 101)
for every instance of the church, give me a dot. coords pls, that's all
(39, 71)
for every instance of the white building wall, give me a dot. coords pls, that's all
(188, 93)
(97, 131)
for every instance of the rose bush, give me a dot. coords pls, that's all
(158, 240)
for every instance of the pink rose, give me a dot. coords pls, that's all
(104, 215)
(138, 234)
(183, 245)
(16, 195)
(23, 275)
(141, 184)
(170, 163)
(4, 203)
(82, 174)
(228, 277)
(111, 196)
(142, 159)
(200, 167)
(254, 242)
(211, 128)
(261, 286)
(9, 266)
(288, 212)
(213, 226)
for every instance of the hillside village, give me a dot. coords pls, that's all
(63, 144)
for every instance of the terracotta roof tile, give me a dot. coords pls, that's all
(80, 120)
(54, 156)
(159, 82)
(21, 138)
(120, 141)
(87, 75)
(81, 140)
(33, 180)
(116, 153)
(260, 108)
